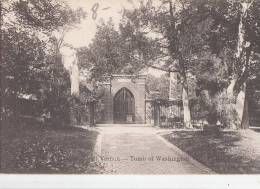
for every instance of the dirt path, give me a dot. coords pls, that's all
(140, 150)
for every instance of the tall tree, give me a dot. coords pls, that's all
(234, 36)
(230, 28)
(169, 27)
(30, 60)
(108, 53)
(243, 56)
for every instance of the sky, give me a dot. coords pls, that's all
(84, 32)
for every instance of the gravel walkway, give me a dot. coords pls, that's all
(140, 150)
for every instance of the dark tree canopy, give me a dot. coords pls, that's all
(30, 62)
(46, 15)
(109, 53)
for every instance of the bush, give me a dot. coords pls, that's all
(204, 107)
(55, 93)
(80, 105)
(59, 110)
(226, 109)
(78, 109)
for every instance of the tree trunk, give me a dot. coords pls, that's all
(238, 93)
(74, 77)
(240, 104)
(186, 109)
(173, 82)
(70, 62)
(245, 118)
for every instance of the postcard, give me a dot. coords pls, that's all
(157, 90)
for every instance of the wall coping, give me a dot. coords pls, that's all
(124, 76)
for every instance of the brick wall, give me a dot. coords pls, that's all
(134, 84)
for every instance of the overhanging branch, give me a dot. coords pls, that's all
(162, 69)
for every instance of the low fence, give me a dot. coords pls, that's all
(169, 114)
(164, 113)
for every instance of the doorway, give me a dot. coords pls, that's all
(124, 106)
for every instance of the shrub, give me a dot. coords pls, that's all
(226, 109)
(78, 109)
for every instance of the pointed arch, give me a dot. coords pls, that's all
(124, 106)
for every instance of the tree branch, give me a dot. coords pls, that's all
(162, 69)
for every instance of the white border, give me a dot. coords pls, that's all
(115, 182)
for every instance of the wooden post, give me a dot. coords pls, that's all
(156, 114)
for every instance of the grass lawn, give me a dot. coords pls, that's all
(226, 153)
(29, 147)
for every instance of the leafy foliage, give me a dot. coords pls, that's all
(31, 64)
(111, 52)
(46, 15)
(22, 65)
(160, 84)
(221, 39)
(222, 34)
(80, 106)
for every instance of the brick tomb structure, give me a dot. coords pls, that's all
(123, 100)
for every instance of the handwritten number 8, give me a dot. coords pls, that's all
(94, 10)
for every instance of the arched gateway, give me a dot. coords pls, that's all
(124, 106)
(124, 99)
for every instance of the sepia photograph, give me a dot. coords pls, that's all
(130, 87)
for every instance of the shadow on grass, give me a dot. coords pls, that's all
(221, 152)
(30, 147)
